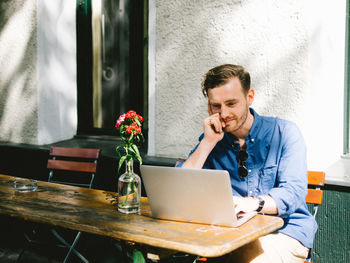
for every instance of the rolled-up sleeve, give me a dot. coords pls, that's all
(180, 163)
(290, 188)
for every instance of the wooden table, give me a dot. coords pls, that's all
(95, 211)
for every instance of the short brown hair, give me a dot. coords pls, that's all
(220, 75)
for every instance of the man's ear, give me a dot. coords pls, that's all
(250, 96)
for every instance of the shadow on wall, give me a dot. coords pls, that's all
(18, 98)
(35, 88)
(270, 41)
(280, 91)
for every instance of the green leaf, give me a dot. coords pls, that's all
(121, 161)
(118, 149)
(120, 146)
(135, 149)
(137, 257)
(137, 153)
(131, 137)
(143, 138)
(128, 157)
(123, 134)
(138, 138)
(138, 157)
(138, 122)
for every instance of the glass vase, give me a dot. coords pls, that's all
(129, 190)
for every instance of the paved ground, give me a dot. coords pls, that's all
(95, 248)
(12, 244)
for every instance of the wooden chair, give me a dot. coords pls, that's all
(315, 193)
(81, 166)
(314, 196)
(79, 162)
(72, 166)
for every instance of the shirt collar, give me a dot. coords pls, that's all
(252, 133)
(257, 122)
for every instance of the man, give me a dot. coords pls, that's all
(266, 159)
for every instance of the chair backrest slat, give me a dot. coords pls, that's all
(83, 153)
(314, 196)
(63, 165)
(316, 178)
(81, 160)
(316, 181)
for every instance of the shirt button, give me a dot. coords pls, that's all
(252, 139)
(249, 171)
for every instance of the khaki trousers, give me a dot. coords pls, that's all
(272, 248)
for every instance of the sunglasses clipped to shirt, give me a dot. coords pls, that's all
(242, 157)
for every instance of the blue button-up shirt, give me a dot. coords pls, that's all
(277, 167)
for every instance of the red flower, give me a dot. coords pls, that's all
(133, 128)
(120, 121)
(127, 119)
(129, 125)
(131, 114)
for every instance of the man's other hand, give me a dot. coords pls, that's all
(245, 204)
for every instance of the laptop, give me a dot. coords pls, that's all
(191, 195)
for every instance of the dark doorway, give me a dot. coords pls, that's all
(115, 81)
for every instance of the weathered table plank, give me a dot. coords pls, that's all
(95, 211)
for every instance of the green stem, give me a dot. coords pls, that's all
(131, 185)
(127, 194)
(136, 192)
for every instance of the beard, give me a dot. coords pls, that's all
(237, 122)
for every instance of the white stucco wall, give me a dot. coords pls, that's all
(57, 86)
(37, 71)
(294, 51)
(18, 68)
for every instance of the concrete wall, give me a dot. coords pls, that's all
(57, 85)
(37, 71)
(294, 51)
(18, 71)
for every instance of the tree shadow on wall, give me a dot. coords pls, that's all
(18, 115)
(19, 87)
(190, 42)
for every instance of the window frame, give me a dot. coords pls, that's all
(346, 132)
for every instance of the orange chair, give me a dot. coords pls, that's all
(314, 197)
(315, 193)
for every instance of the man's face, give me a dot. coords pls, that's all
(232, 104)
